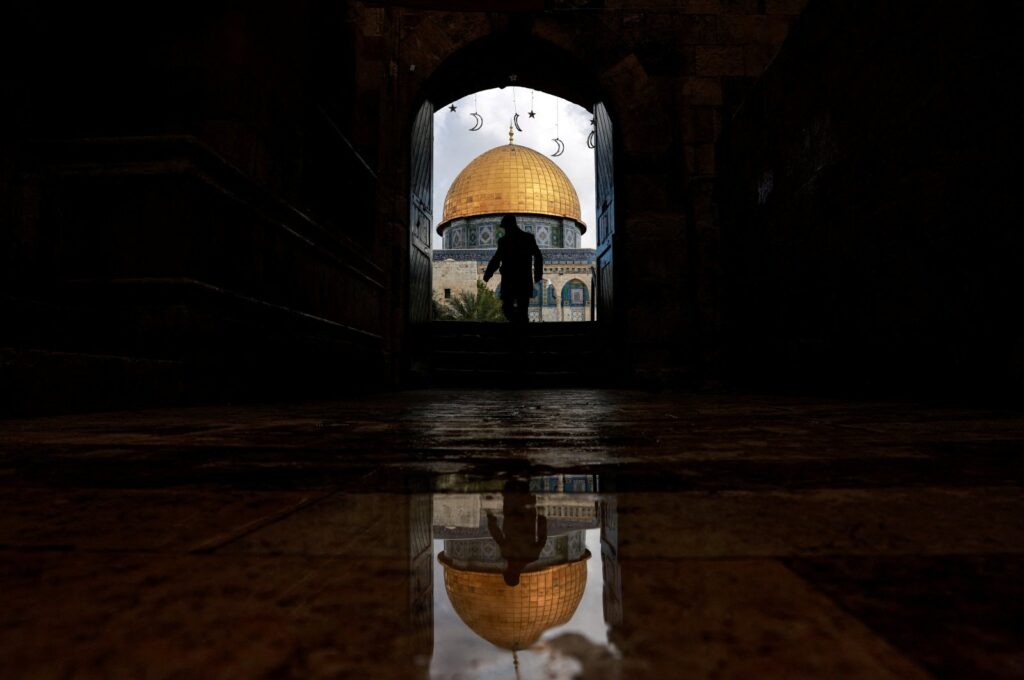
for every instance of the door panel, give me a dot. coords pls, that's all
(605, 189)
(420, 216)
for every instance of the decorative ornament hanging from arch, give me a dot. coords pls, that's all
(478, 119)
(515, 111)
(560, 148)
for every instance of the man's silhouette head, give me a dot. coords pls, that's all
(508, 223)
(512, 571)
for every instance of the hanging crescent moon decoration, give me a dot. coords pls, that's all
(515, 121)
(590, 140)
(561, 147)
(479, 122)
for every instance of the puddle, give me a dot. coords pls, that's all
(523, 578)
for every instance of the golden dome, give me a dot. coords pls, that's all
(511, 179)
(513, 617)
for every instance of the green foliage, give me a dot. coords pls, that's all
(483, 305)
(441, 311)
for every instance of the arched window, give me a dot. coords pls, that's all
(575, 294)
(575, 300)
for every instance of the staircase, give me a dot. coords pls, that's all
(548, 354)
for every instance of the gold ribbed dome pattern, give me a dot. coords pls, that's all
(514, 617)
(511, 179)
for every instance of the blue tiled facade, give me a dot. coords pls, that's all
(551, 255)
(484, 231)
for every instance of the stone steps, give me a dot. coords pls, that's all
(497, 354)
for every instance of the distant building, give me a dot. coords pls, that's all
(513, 179)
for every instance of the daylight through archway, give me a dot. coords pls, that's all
(512, 151)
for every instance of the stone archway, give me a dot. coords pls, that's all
(498, 60)
(667, 109)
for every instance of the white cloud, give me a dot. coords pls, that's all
(455, 146)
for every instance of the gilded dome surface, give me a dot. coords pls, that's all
(514, 617)
(511, 179)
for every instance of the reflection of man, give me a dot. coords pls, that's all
(523, 533)
(521, 264)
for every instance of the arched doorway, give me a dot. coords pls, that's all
(501, 60)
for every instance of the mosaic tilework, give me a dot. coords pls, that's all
(484, 231)
(543, 235)
(571, 239)
(551, 256)
(485, 554)
(486, 235)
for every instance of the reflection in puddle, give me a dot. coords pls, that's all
(530, 578)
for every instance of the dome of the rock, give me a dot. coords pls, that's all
(511, 179)
(514, 617)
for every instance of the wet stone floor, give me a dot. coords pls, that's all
(532, 534)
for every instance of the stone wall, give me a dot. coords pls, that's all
(190, 191)
(458, 277)
(871, 231)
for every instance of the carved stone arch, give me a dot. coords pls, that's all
(491, 60)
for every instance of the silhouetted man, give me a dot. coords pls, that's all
(523, 533)
(516, 251)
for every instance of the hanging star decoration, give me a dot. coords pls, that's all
(531, 114)
(452, 108)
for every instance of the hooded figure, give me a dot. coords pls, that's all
(521, 266)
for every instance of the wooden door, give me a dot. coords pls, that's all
(605, 189)
(420, 217)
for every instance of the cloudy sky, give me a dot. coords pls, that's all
(455, 146)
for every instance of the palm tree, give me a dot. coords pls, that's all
(483, 305)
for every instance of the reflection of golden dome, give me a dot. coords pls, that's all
(514, 617)
(511, 179)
